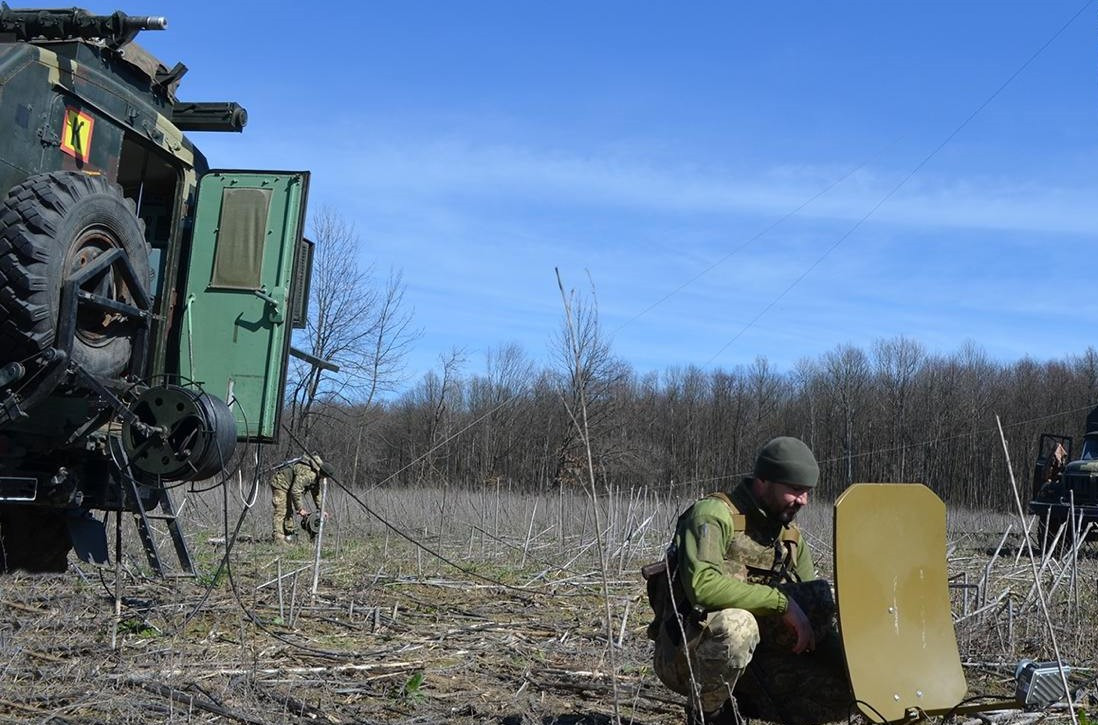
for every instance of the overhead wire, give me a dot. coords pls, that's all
(743, 245)
(793, 212)
(903, 182)
(225, 564)
(521, 593)
(926, 159)
(230, 538)
(896, 448)
(675, 485)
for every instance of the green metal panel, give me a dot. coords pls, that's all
(235, 335)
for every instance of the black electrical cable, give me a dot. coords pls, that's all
(850, 718)
(967, 701)
(468, 572)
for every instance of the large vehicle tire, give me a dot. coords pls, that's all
(50, 226)
(33, 539)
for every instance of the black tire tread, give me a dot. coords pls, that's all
(30, 218)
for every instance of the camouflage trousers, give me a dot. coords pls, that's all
(282, 518)
(715, 654)
(732, 651)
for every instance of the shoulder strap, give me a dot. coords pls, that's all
(739, 521)
(791, 535)
(790, 541)
(785, 547)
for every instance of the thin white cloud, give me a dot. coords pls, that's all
(479, 228)
(419, 169)
(403, 170)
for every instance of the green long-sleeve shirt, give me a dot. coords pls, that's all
(703, 537)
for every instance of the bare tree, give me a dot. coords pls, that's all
(354, 321)
(846, 370)
(585, 379)
(586, 355)
(493, 404)
(442, 392)
(897, 362)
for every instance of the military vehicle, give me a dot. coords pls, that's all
(146, 300)
(1065, 489)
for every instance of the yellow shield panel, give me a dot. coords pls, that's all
(893, 599)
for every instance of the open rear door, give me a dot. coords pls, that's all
(241, 291)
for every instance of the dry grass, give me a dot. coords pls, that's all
(396, 635)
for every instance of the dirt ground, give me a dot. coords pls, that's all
(367, 648)
(396, 635)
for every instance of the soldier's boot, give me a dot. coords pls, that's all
(728, 714)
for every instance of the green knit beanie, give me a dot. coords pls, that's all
(787, 460)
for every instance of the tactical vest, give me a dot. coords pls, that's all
(746, 558)
(750, 559)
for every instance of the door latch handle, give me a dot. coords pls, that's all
(272, 310)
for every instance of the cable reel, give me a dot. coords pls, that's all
(311, 524)
(178, 433)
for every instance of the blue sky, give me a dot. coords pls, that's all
(724, 160)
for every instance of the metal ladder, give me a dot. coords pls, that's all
(163, 509)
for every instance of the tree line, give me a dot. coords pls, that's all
(894, 412)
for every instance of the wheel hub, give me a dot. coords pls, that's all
(97, 327)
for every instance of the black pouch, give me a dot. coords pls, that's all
(666, 597)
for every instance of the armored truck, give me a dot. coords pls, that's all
(146, 300)
(1065, 489)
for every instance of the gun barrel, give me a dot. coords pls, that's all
(221, 116)
(146, 22)
(116, 28)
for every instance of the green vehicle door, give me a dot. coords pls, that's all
(241, 292)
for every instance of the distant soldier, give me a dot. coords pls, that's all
(288, 488)
(743, 612)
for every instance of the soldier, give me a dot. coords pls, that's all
(288, 487)
(739, 609)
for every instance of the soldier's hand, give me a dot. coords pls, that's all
(796, 620)
(305, 512)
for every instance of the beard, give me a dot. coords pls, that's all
(789, 513)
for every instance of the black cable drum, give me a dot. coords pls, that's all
(179, 434)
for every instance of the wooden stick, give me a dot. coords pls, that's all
(529, 534)
(192, 701)
(1036, 579)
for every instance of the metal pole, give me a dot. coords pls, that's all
(117, 578)
(319, 534)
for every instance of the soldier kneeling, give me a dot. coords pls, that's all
(743, 626)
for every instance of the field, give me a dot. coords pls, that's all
(501, 612)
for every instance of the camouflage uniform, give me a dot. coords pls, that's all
(737, 642)
(288, 488)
